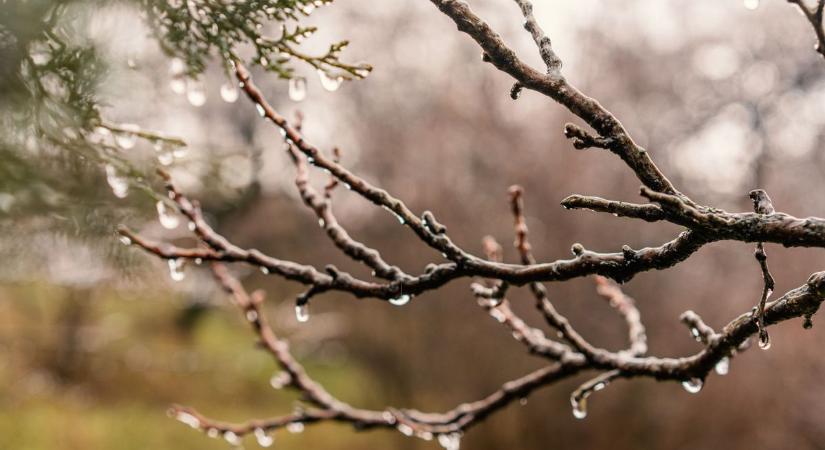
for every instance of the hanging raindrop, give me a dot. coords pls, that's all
(261, 110)
(126, 139)
(722, 366)
(167, 219)
(125, 240)
(329, 83)
(118, 183)
(297, 89)
(229, 92)
(302, 312)
(196, 93)
(764, 340)
(693, 385)
(280, 379)
(401, 300)
(450, 441)
(295, 427)
(231, 438)
(264, 440)
(176, 269)
(579, 404)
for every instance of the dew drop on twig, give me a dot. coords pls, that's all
(401, 300)
(329, 83)
(176, 269)
(118, 183)
(166, 218)
(302, 312)
(264, 440)
(280, 379)
(450, 441)
(295, 427)
(693, 385)
(722, 366)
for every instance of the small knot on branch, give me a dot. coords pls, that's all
(577, 249)
(515, 91)
(429, 221)
(582, 139)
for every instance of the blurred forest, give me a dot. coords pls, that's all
(97, 341)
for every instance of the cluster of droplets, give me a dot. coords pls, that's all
(167, 153)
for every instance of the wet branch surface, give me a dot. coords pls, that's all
(568, 352)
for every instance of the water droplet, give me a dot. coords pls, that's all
(297, 89)
(302, 312)
(231, 438)
(321, 223)
(522, 401)
(329, 83)
(166, 158)
(167, 219)
(188, 419)
(196, 93)
(722, 366)
(264, 270)
(401, 300)
(405, 429)
(579, 404)
(261, 110)
(191, 226)
(252, 315)
(179, 152)
(750, 4)
(498, 315)
(126, 139)
(280, 379)
(264, 440)
(693, 385)
(695, 333)
(177, 85)
(764, 340)
(176, 269)
(450, 441)
(118, 183)
(295, 427)
(125, 240)
(198, 261)
(229, 92)
(212, 432)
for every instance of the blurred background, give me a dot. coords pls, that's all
(96, 341)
